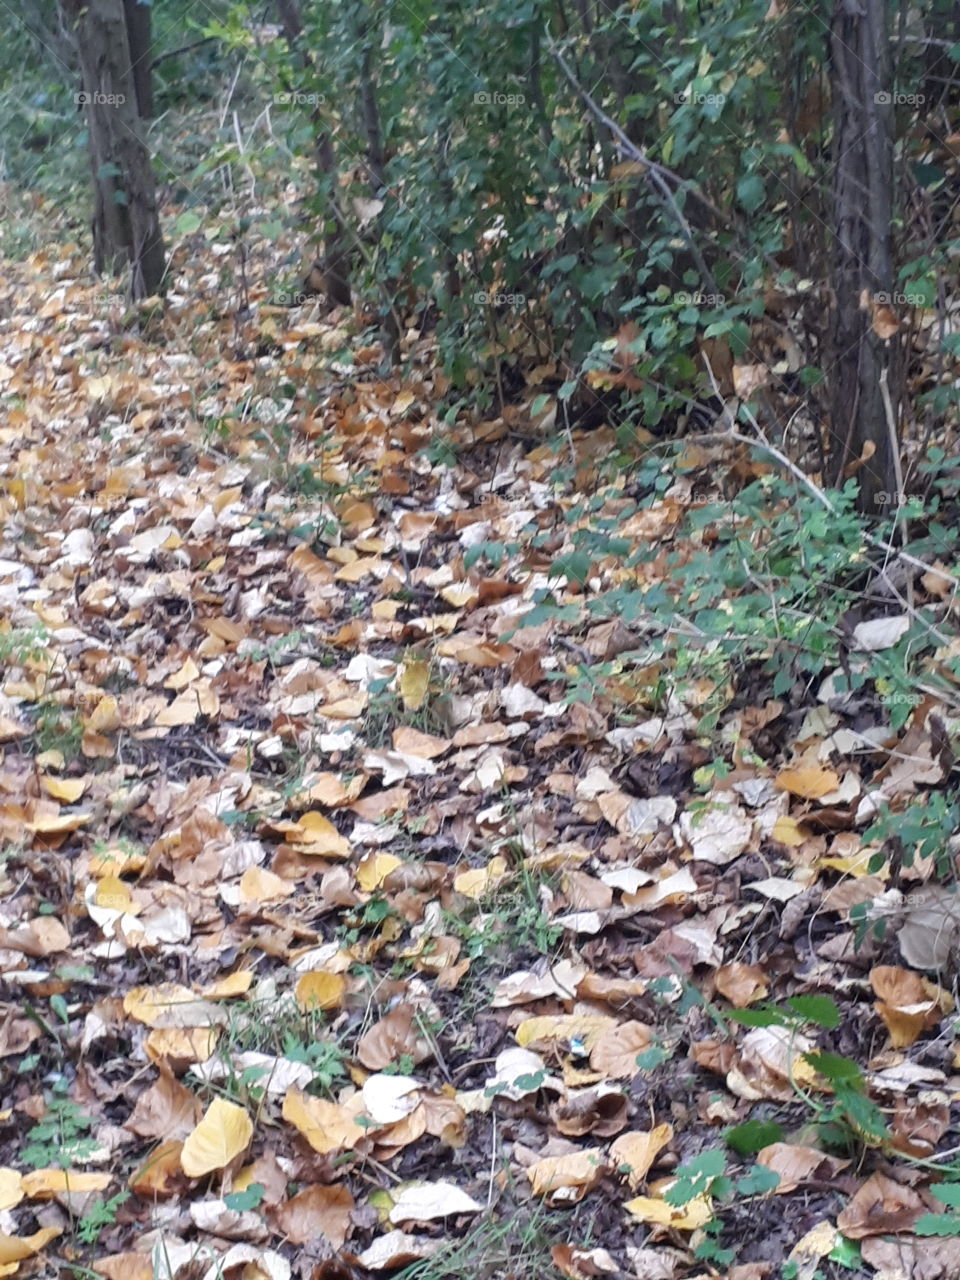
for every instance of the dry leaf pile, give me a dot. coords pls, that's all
(340, 929)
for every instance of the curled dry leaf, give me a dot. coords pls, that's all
(566, 1179)
(395, 1035)
(14, 1249)
(742, 984)
(908, 1003)
(602, 1111)
(583, 1264)
(770, 1057)
(796, 1164)
(638, 1151)
(880, 1206)
(395, 1249)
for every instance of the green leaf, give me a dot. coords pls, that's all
(861, 1110)
(947, 1193)
(835, 1068)
(847, 1253)
(818, 1009)
(187, 223)
(750, 192)
(753, 1136)
(574, 566)
(938, 1224)
(243, 1200)
(758, 1017)
(758, 1181)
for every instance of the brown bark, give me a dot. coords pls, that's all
(139, 40)
(860, 359)
(126, 225)
(334, 267)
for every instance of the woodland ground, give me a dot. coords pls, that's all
(352, 920)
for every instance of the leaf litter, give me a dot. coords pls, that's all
(334, 936)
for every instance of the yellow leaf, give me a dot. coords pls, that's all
(11, 1188)
(150, 1005)
(584, 1027)
(319, 835)
(657, 1213)
(374, 869)
(66, 790)
(567, 1178)
(320, 989)
(42, 1184)
(223, 1133)
(17, 1248)
(105, 717)
(638, 1151)
(788, 831)
(114, 893)
(187, 707)
(186, 675)
(809, 782)
(259, 885)
(414, 683)
(480, 880)
(325, 1125)
(231, 984)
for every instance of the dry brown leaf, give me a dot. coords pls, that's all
(318, 1211)
(880, 1206)
(567, 1179)
(797, 1164)
(742, 984)
(616, 1049)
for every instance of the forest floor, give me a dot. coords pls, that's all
(355, 917)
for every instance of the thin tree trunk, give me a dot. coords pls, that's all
(140, 40)
(126, 225)
(861, 361)
(335, 266)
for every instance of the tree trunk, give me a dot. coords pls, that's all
(335, 265)
(126, 226)
(140, 42)
(862, 361)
